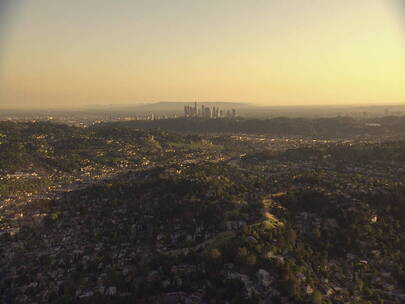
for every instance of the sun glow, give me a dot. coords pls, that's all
(266, 52)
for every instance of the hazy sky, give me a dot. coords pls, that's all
(275, 52)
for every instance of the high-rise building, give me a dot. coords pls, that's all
(233, 113)
(207, 114)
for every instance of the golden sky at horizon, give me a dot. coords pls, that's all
(273, 52)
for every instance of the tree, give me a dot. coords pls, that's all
(360, 284)
(316, 297)
(242, 254)
(293, 286)
(251, 260)
(291, 236)
(214, 254)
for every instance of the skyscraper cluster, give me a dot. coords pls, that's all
(207, 112)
